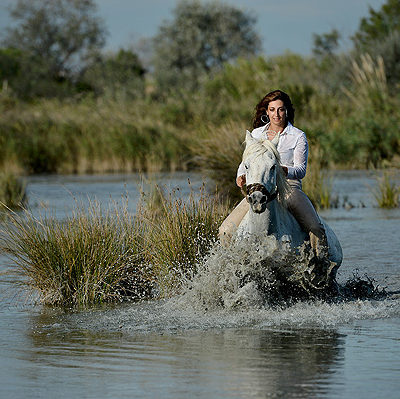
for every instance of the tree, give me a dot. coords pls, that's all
(200, 39)
(61, 32)
(379, 25)
(379, 36)
(121, 73)
(325, 44)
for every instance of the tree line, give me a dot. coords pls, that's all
(69, 106)
(55, 48)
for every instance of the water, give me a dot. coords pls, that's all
(170, 349)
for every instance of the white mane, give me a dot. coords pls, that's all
(259, 148)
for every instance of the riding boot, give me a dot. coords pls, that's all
(323, 270)
(319, 245)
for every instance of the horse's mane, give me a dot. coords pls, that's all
(259, 148)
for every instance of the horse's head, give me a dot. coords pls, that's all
(264, 175)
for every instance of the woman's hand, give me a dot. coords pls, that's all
(241, 181)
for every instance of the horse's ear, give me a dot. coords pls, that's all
(249, 137)
(275, 140)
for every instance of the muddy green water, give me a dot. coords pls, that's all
(156, 350)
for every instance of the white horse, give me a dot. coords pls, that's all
(267, 188)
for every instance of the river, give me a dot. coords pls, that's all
(157, 349)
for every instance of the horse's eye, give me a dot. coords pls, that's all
(246, 166)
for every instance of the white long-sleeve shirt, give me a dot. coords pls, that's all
(292, 148)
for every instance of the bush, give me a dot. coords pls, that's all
(12, 191)
(178, 234)
(387, 193)
(95, 256)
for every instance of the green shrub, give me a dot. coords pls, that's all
(94, 256)
(387, 192)
(179, 232)
(82, 260)
(12, 190)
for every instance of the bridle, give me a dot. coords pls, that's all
(251, 188)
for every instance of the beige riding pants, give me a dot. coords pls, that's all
(298, 204)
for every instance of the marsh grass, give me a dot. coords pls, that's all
(96, 256)
(81, 260)
(12, 191)
(89, 137)
(179, 233)
(318, 187)
(387, 192)
(219, 152)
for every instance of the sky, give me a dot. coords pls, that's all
(283, 25)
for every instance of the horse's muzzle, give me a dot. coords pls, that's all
(258, 197)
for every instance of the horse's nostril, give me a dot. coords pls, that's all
(263, 199)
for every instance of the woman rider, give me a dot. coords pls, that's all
(275, 114)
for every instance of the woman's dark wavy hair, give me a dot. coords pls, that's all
(261, 107)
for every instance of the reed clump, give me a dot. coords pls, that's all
(387, 191)
(179, 232)
(153, 133)
(12, 191)
(96, 256)
(218, 153)
(318, 188)
(81, 260)
(91, 136)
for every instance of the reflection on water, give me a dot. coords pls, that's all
(160, 349)
(216, 363)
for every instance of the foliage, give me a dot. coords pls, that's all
(317, 186)
(219, 153)
(388, 49)
(201, 38)
(325, 44)
(378, 25)
(179, 233)
(12, 191)
(94, 256)
(387, 193)
(116, 74)
(372, 137)
(79, 261)
(27, 76)
(62, 32)
(91, 136)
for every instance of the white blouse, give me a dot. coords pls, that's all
(292, 148)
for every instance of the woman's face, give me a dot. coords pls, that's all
(276, 112)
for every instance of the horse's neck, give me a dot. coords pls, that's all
(276, 220)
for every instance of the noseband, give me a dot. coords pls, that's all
(251, 188)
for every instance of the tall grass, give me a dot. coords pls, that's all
(349, 113)
(96, 256)
(318, 188)
(219, 152)
(317, 183)
(387, 192)
(179, 232)
(89, 136)
(78, 261)
(12, 191)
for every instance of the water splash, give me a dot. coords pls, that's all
(253, 273)
(253, 284)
